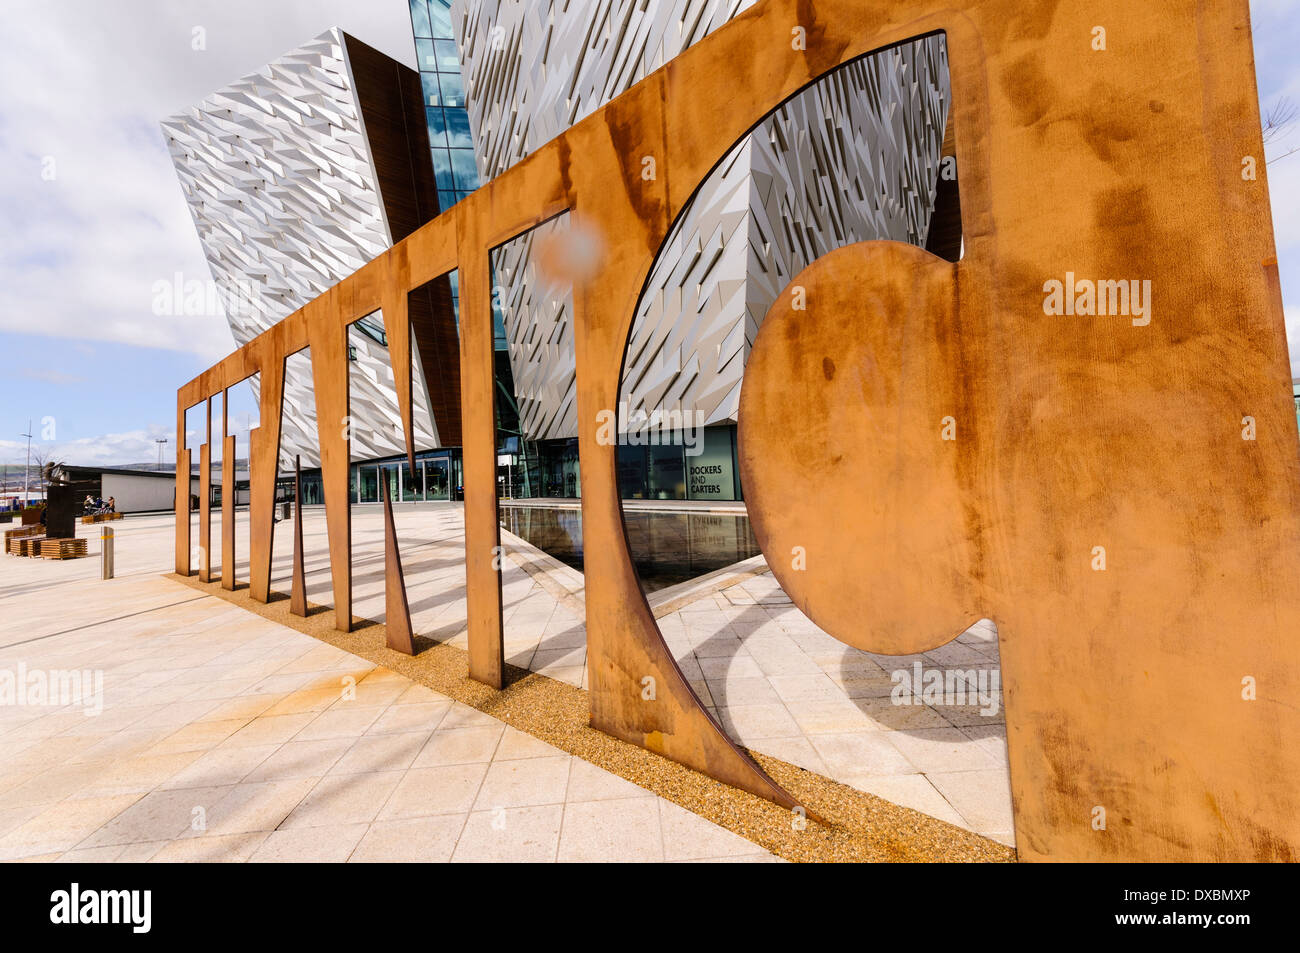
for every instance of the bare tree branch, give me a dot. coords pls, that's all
(1279, 116)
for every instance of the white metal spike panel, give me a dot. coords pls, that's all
(853, 158)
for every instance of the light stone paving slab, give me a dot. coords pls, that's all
(221, 736)
(754, 660)
(623, 830)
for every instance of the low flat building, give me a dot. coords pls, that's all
(133, 491)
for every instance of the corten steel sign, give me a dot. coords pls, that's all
(1112, 478)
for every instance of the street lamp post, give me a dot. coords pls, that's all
(27, 470)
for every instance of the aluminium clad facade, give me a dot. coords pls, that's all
(853, 158)
(298, 175)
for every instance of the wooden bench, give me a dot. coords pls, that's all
(100, 517)
(26, 545)
(15, 536)
(61, 548)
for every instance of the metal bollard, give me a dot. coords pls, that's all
(106, 552)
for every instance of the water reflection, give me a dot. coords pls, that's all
(667, 548)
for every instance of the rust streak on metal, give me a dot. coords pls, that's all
(298, 585)
(478, 431)
(205, 496)
(397, 611)
(229, 578)
(329, 365)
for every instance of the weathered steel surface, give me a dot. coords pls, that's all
(229, 578)
(397, 611)
(205, 496)
(263, 464)
(182, 501)
(483, 551)
(1123, 679)
(397, 330)
(847, 400)
(298, 584)
(1123, 686)
(329, 364)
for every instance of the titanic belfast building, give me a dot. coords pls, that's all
(302, 172)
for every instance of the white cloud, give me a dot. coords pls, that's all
(86, 84)
(113, 449)
(92, 211)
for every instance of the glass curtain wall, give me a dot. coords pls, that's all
(451, 149)
(436, 477)
(438, 60)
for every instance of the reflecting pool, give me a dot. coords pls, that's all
(667, 548)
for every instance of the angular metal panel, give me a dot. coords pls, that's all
(851, 159)
(278, 173)
(397, 611)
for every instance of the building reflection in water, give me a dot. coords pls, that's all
(667, 548)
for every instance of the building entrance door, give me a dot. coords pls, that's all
(388, 473)
(369, 485)
(437, 485)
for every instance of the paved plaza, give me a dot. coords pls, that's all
(226, 736)
(776, 682)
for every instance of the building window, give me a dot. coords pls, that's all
(447, 56)
(453, 91)
(458, 137)
(462, 160)
(412, 484)
(420, 18)
(426, 55)
(437, 128)
(369, 485)
(446, 117)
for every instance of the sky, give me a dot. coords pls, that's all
(83, 88)
(92, 217)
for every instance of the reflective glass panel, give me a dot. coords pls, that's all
(430, 83)
(437, 127)
(462, 161)
(453, 90)
(412, 484)
(457, 124)
(440, 18)
(369, 485)
(420, 18)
